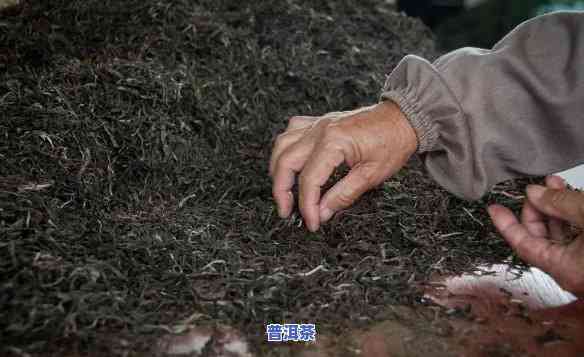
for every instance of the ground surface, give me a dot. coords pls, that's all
(134, 199)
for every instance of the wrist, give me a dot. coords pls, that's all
(391, 112)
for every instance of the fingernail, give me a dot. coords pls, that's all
(535, 192)
(325, 214)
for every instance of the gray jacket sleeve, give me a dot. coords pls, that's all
(484, 116)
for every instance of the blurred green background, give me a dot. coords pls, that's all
(460, 23)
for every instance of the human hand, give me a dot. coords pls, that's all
(375, 142)
(540, 238)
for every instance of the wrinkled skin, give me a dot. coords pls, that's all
(376, 142)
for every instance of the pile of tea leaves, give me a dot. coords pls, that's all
(134, 142)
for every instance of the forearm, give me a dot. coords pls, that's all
(484, 116)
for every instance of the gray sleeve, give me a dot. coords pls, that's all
(484, 116)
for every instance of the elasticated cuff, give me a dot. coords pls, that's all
(417, 118)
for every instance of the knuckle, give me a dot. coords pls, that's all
(346, 197)
(332, 148)
(280, 138)
(295, 120)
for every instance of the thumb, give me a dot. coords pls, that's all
(345, 192)
(564, 204)
(537, 251)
